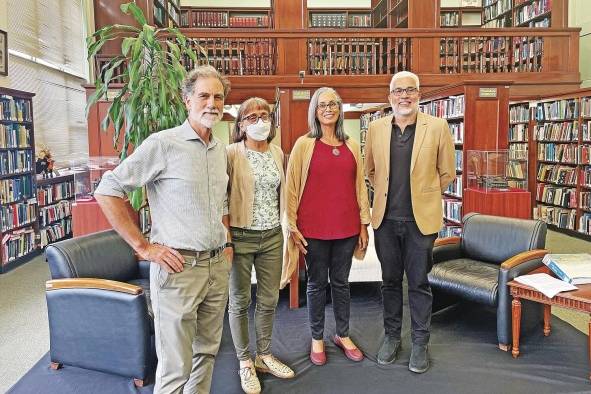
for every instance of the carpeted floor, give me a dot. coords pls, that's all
(464, 356)
(24, 337)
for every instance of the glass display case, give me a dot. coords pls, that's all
(496, 170)
(88, 173)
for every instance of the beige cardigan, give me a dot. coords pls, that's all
(241, 184)
(297, 174)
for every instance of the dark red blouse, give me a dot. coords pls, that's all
(329, 208)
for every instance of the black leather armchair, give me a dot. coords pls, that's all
(477, 266)
(98, 306)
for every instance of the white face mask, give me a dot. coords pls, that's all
(259, 131)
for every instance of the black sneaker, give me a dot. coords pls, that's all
(419, 359)
(388, 350)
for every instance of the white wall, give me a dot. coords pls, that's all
(353, 128)
(580, 16)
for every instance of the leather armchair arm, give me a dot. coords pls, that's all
(92, 283)
(448, 248)
(144, 269)
(524, 257)
(100, 325)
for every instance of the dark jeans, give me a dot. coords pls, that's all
(329, 259)
(401, 247)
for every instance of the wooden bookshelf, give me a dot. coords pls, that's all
(561, 159)
(226, 18)
(18, 205)
(55, 197)
(518, 138)
(460, 17)
(329, 18)
(524, 13)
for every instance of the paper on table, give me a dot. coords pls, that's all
(546, 284)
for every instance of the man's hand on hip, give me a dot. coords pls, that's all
(167, 257)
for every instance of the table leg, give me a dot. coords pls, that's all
(547, 317)
(516, 309)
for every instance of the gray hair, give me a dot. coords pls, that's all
(403, 74)
(314, 124)
(205, 71)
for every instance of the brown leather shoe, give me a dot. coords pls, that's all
(351, 354)
(317, 358)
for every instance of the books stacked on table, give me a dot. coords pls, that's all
(572, 268)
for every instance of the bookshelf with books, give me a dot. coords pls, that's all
(18, 204)
(55, 197)
(247, 17)
(339, 18)
(563, 162)
(460, 13)
(518, 139)
(524, 13)
(473, 110)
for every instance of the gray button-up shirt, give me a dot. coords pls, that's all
(187, 187)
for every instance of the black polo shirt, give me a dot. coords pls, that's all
(399, 204)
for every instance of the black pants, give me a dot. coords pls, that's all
(401, 247)
(326, 259)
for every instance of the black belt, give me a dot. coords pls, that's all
(201, 254)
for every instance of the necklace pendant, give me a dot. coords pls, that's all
(336, 151)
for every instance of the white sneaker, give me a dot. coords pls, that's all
(249, 380)
(273, 366)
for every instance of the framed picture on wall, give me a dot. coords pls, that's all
(3, 53)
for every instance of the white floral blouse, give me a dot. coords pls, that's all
(265, 208)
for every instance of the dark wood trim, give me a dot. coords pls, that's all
(93, 283)
(447, 241)
(524, 257)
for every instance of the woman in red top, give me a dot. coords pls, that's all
(328, 212)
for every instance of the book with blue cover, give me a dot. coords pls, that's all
(572, 268)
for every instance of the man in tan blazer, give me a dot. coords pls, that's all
(409, 161)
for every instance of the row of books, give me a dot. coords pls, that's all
(530, 11)
(16, 215)
(49, 194)
(452, 107)
(459, 160)
(517, 151)
(519, 113)
(563, 153)
(517, 170)
(559, 217)
(452, 209)
(496, 8)
(224, 19)
(54, 212)
(560, 175)
(14, 136)
(503, 21)
(450, 230)
(586, 200)
(15, 109)
(354, 63)
(16, 161)
(586, 107)
(528, 54)
(16, 189)
(18, 244)
(586, 131)
(586, 176)
(562, 131)
(518, 132)
(562, 196)
(585, 223)
(249, 21)
(55, 232)
(558, 110)
(455, 188)
(449, 19)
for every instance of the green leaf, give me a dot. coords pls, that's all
(126, 45)
(136, 197)
(135, 11)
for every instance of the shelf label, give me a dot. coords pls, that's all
(299, 94)
(487, 92)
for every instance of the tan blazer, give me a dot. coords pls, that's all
(432, 169)
(241, 184)
(297, 174)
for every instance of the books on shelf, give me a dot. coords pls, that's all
(16, 215)
(54, 212)
(559, 217)
(560, 175)
(452, 210)
(449, 108)
(16, 189)
(518, 133)
(16, 161)
(56, 231)
(15, 109)
(559, 153)
(14, 136)
(455, 188)
(527, 12)
(558, 110)
(571, 268)
(560, 196)
(561, 131)
(17, 244)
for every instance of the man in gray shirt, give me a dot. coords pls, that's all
(184, 171)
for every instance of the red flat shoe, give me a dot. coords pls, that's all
(351, 354)
(317, 358)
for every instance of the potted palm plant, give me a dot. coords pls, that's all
(148, 99)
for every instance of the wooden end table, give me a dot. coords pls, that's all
(578, 300)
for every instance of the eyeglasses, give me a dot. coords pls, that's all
(411, 91)
(253, 118)
(330, 105)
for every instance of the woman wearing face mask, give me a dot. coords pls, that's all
(256, 203)
(328, 213)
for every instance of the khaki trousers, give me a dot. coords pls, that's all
(188, 319)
